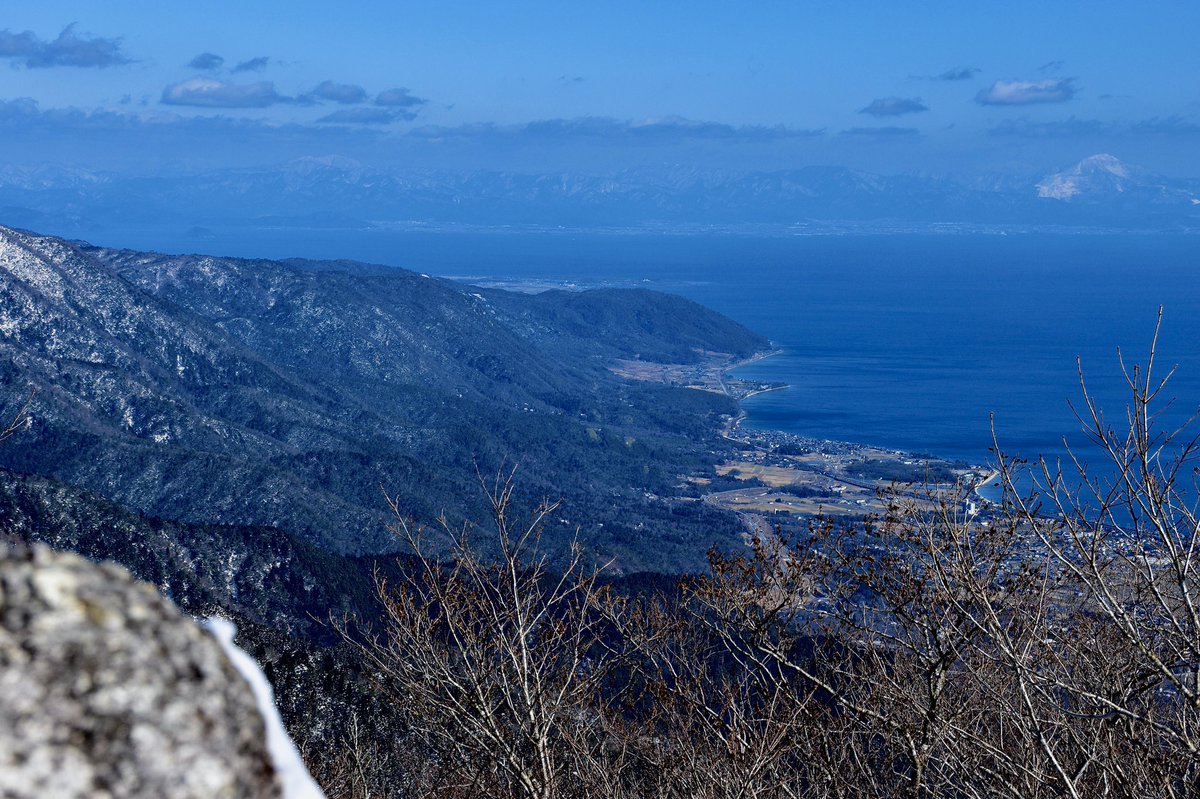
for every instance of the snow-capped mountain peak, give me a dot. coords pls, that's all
(1096, 174)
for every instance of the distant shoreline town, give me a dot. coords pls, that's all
(800, 477)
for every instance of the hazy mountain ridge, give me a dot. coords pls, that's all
(335, 192)
(211, 390)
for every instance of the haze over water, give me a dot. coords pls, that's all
(904, 341)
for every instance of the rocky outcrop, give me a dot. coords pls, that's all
(107, 690)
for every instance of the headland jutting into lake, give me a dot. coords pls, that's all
(779, 477)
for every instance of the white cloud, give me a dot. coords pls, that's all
(345, 93)
(1027, 92)
(894, 106)
(398, 98)
(212, 93)
(367, 116)
(68, 50)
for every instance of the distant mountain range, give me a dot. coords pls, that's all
(1099, 192)
(265, 394)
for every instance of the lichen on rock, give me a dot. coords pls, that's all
(107, 690)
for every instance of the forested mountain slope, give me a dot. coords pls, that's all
(291, 395)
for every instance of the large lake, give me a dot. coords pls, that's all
(907, 341)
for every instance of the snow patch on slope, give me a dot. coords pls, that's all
(22, 263)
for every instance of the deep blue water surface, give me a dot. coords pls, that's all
(906, 341)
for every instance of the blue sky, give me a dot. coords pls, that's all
(931, 87)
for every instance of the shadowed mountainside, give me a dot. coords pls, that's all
(291, 395)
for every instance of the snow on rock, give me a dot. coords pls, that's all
(289, 768)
